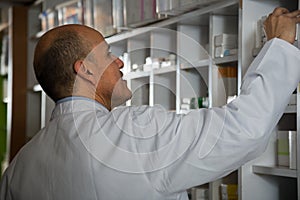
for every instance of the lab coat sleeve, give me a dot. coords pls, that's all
(225, 138)
(4, 188)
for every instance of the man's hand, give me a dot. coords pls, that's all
(282, 24)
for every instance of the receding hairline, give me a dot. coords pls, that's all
(49, 37)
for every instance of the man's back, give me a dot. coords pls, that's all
(64, 168)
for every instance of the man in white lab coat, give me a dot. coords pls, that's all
(91, 151)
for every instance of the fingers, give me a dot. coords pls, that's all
(279, 11)
(282, 24)
(295, 13)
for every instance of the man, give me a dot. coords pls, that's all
(91, 151)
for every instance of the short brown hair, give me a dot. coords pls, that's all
(54, 66)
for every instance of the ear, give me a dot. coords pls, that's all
(82, 71)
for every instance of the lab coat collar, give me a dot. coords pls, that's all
(76, 104)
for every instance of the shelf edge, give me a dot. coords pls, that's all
(274, 171)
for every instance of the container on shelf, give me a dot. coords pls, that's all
(139, 12)
(103, 16)
(176, 7)
(70, 13)
(48, 19)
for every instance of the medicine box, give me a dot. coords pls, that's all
(222, 51)
(230, 41)
(286, 149)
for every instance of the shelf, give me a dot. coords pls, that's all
(225, 59)
(173, 20)
(135, 75)
(187, 7)
(142, 74)
(196, 64)
(275, 171)
(291, 109)
(164, 70)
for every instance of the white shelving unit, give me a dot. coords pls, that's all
(186, 36)
(196, 73)
(262, 178)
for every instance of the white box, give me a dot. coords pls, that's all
(185, 106)
(150, 67)
(147, 67)
(293, 149)
(229, 40)
(222, 51)
(260, 36)
(186, 101)
(293, 99)
(199, 194)
(283, 148)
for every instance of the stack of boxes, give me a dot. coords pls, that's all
(226, 45)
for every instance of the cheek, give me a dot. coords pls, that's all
(109, 79)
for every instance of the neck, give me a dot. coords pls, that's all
(102, 100)
(90, 92)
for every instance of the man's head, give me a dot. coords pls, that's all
(74, 60)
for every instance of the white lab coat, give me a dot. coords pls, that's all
(146, 152)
